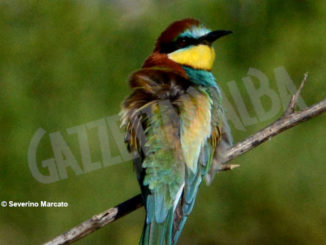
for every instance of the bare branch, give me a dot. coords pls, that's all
(282, 124)
(98, 221)
(226, 167)
(288, 120)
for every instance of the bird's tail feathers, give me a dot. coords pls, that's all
(155, 233)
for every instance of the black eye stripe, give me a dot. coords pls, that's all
(181, 42)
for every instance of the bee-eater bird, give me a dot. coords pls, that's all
(176, 126)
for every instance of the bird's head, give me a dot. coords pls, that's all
(189, 43)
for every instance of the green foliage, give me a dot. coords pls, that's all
(65, 63)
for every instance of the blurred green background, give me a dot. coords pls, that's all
(66, 63)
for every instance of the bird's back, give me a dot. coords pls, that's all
(170, 126)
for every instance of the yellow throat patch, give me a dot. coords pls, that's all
(198, 57)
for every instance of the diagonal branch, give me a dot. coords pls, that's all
(98, 221)
(288, 120)
(295, 97)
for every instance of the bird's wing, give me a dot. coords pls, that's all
(152, 119)
(221, 139)
(210, 117)
(168, 123)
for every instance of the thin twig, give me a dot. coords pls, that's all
(295, 97)
(288, 120)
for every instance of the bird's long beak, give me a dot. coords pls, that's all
(214, 35)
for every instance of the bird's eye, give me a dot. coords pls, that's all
(183, 41)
